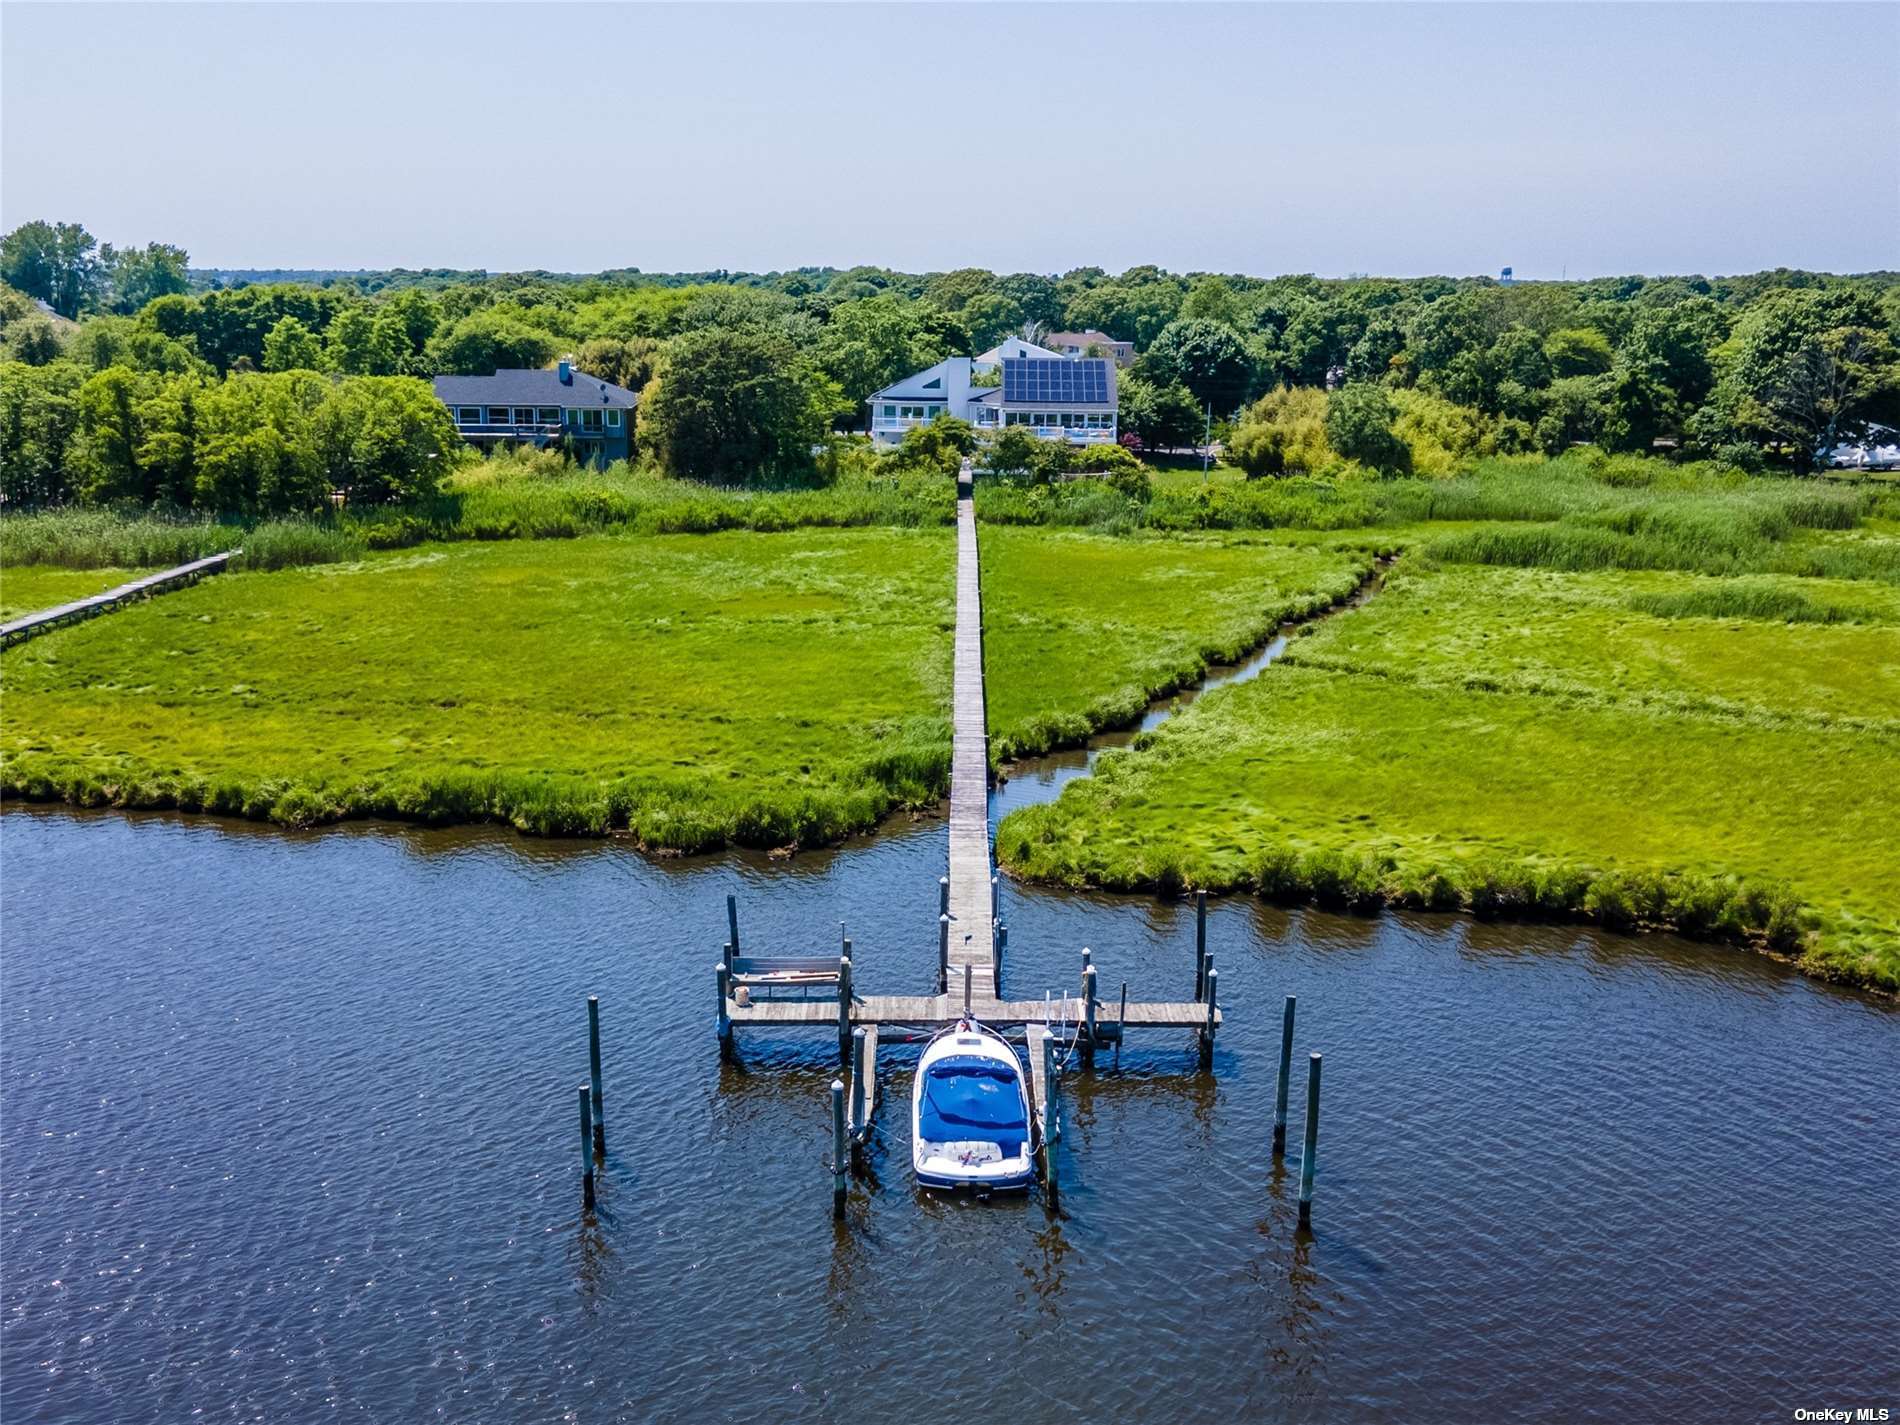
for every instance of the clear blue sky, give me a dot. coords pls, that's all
(1325, 138)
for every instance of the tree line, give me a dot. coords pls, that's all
(743, 376)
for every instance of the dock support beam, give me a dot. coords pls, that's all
(1207, 1034)
(724, 1022)
(1286, 1071)
(1312, 1142)
(1051, 1118)
(837, 1149)
(844, 1009)
(1200, 945)
(587, 1148)
(1088, 1015)
(593, 1075)
(859, 1099)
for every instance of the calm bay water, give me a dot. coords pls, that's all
(288, 1133)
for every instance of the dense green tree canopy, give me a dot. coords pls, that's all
(731, 406)
(1762, 369)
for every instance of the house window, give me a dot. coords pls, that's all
(590, 421)
(890, 413)
(524, 415)
(613, 420)
(469, 415)
(549, 415)
(498, 415)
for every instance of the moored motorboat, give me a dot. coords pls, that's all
(969, 1113)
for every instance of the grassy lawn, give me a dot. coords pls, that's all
(1082, 631)
(693, 689)
(1528, 741)
(28, 588)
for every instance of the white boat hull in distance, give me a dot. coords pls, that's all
(969, 1114)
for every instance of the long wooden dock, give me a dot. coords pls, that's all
(973, 972)
(165, 580)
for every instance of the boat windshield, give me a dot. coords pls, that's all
(972, 1099)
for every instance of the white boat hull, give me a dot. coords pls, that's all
(969, 1114)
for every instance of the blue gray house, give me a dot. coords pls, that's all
(594, 418)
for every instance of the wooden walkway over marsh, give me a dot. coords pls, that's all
(971, 938)
(164, 581)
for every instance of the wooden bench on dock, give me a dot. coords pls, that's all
(783, 970)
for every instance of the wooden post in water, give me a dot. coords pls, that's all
(726, 956)
(1207, 1034)
(1200, 944)
(1121, 1023)
(593, 1075)
(1051, 1117)
(844, 1008)
(837, 1149)
(1002, 944)
(859, 1098)
(1088, 1015)
(587, 1148)
(1286, 1071)
(943, 895)
(732, 922)
(1312, 1142)
(966, 991)
(996, 899)
(724, 1021)
(943, 952)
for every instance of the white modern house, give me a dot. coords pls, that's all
(1056, 397)
(1010, 346)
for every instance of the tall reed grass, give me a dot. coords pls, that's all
(497, 501)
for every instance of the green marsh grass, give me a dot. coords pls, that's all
(1522, 742)
(27, 589)
(1082, 630)
(766, 690)
(495, 500)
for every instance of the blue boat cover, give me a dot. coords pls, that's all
(970, 1099)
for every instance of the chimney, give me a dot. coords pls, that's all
(566, 371)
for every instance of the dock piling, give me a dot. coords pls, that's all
(1200, 944)
(724, 1022)
(587, 1148)
(966, 991)
(943, 895)
(943, 952)
(593, 1075)
(732, 922)
(844, 1009)
(996, 899)
(1051, 1116)
(1312, 1142)
(1286, 1070)
(1207, 1034)
(859, 1099)
(1088, 1014)
(837, 1149)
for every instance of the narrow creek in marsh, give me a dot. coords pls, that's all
(1031, 781)
(289, 1133)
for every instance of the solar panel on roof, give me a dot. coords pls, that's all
(1055, 380)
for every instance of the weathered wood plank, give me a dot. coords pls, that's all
(30, 624)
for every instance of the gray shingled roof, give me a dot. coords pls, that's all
(531, 388)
